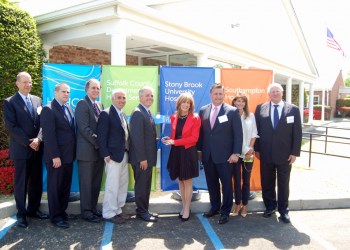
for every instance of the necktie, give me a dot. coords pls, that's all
(276, 117)
(96, 109)
(213, 118)
(67, 114)
(150, 116)
(30, 106)
(124, 125)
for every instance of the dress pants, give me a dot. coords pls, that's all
(241, 176)
(116, 189)
(268, 172)
(58, 189)
(28, 179)
(90, 178)
(214, 173)
(143, 180)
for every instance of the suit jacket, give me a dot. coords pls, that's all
(143, 138)
(190, 131)
(275, 145)
(58, 134)
(111, 135)
(224, 139)
(21, 125)
(86, 122)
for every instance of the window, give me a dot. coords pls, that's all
(316, 99)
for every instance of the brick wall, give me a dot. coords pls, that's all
(67, 54)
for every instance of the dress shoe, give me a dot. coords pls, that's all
(285, 218)
(268, 213)
(183, 219)
(38, 214)
(223, 219)
(116, 220)
(244, 211)
(98, 213)
(236, 209)
(180, 215)
(70, 217)
(147, 217)
(124, 216)
(210, 213)
(61, 224)
(22, 222)
(92, 218)
(153, 214)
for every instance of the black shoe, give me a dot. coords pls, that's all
(223, 219)
(147, 217)
(285, 218)
(22, 222)
(183, 219)
(210, 213)
(39, 215)
(61, 224)
(98, 214)
(70, 217)
(268, 213)
(180, 215)
(92, 218)
(153, 214)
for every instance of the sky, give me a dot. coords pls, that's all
(314, 15)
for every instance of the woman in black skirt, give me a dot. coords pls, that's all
(183, 161)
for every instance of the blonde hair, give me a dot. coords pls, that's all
(185, 97)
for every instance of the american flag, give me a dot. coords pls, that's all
(332, 43)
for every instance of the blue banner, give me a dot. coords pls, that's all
(75, 76)
(173, 82)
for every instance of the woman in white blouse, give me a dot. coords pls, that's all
(242, 170)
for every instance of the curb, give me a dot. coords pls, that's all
(166, 205)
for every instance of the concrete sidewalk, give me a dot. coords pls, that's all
(324, 185)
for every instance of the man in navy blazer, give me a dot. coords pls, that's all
(279, 128)
(90, 164)
(57, 122)
(21, 115)
(113, 141)
(220, 145)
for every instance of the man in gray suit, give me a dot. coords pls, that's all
(220, 145)
(279, 128)
(90, 165)
(143, 152)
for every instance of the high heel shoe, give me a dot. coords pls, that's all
(180, 215)
(186, 219)
(244, 211)
(236, 210)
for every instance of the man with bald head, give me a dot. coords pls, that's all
(90, 165)
(57, 122)
(21, 115)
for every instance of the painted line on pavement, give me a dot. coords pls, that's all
(4, 229)
(107, 236)
(210, 232)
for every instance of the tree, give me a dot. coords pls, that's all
(20, 49)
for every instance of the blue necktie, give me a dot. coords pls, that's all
(30, 106)
(276, 117)
(65, 109)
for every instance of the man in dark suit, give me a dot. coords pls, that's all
(113, 141)
(143, 152)
(21, 115)
(57, 123)
(90, 165)
(219, 146)
(279, 128)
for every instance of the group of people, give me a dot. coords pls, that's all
(226, 138)
(223, 137)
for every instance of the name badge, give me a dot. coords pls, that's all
(290, 119)
(223, 118)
